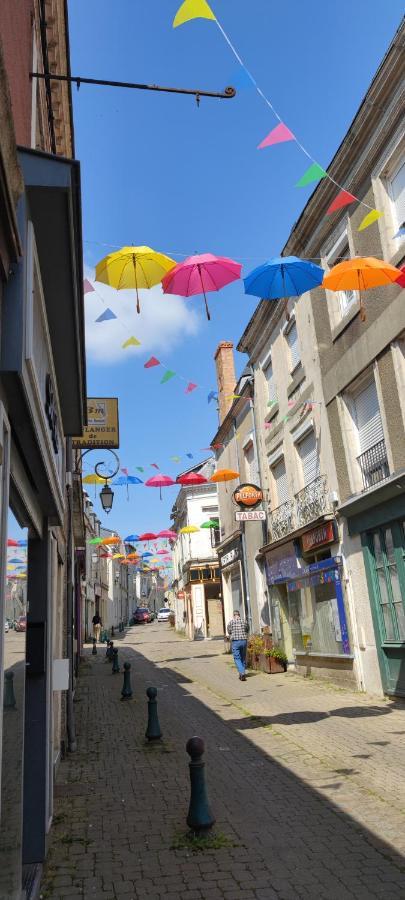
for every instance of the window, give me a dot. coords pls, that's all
(373, 455)
(251, 468)
(294, 347)
(279, 474)
(397, 192)
(271, 387)
(346, 298)
(309, 456)
(337, 254)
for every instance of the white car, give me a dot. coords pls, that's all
(163, 614)
(6, 627)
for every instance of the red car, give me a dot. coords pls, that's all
(142, 614)
(21, 623)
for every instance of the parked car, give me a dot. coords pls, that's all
(21, 623)
(142, 614)
(6, 627)
(163, 614)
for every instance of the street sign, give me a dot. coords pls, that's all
(252, 515)
(102, 429)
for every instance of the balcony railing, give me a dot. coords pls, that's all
(282, 521)
(374, 465)
(313, 501)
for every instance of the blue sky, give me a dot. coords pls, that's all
(157, 170)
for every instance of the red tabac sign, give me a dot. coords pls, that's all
(322, 534)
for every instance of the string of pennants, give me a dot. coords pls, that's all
(281, 133)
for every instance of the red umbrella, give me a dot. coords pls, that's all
(12, 543)
(148, 536)
(159, 481)
(191, 479)
(168, 534)
(201, 273)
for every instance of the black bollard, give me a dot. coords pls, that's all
(9, 696)
(107, 652)
(200, 818)
(115, 667)
(110, 651)
(153, 732)
(126, 692)
(94, 650)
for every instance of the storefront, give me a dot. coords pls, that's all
(233, 584)
(203, 602)
(307, 607)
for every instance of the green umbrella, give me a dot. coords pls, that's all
(212, 523)
(95, 540)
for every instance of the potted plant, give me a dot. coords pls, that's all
(255, 648)
(274, 661)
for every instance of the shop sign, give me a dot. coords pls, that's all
(102, 430)
(228, 558)
(322, 534)
(247, 496)
(252, 515)
(282, 564)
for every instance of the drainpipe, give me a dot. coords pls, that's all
(71, 731)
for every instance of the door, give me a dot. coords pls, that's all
(384, 551)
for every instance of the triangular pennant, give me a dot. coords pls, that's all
(87, 286)
(154, 465)
(278, 135)
(106, 316)
(175, 459)
(193, 9)
(167, 376)
(125, 471)
(369, 219)
(140, 468)
(151, 362)
(131, 342)
(314, 173)
(212, 396)
(190, 387)
(190, 455)
(241, 79)
(344, 198)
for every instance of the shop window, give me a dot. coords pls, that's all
(215, 536)
(314, 615)
(388, 553)
(396, 187)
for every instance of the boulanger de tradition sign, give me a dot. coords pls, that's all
(247, 496)
(102, 430)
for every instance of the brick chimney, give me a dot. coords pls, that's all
(226, 378)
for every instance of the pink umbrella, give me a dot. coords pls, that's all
(201, 273)
(191, 479)
(159, 481)
(168, 534)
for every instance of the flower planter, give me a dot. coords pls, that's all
(271, 665)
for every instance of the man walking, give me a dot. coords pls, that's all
(237, 631)
(97, 623)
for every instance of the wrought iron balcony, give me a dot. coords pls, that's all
(374, 465)
(313, 501)
(281, 521)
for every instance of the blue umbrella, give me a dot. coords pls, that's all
(15, 560)
(131, 539)
(22, 543)
(146, 554)
(127, 479)
(283, 276)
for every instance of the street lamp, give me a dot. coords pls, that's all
(106, 497)
(106, 494)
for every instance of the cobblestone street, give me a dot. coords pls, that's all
(306, 783)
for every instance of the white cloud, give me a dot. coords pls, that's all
(164, 321)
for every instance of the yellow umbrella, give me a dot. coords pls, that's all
(188, 529)
(133, 267)
(118, 556)
(95, 479)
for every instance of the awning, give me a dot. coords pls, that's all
(53, 189)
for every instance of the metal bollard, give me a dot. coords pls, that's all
(103, 637)
(110, 650)
(115, 667)
(94, 650)
(9, 696)
(126, 692)
(200, 818)
(153, 732)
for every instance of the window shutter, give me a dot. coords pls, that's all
(270, 382)
(309, 456)
(368, 418)
(292, 340)
(280, 477)
(398, 195)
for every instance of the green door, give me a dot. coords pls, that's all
(384, 554)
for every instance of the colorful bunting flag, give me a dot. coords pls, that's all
(212, 396)
(167, 376)
(154, 466)
(106, 316)
(131, 342)
(278, 135)
(369, 219)
(400, 232)
(314, 173)
(151, 362)
(190, 387)
(344, 198)
(124, 471)
(175, 459)
(193, 9)
(87, 286)
(140, 468)
(190, 455)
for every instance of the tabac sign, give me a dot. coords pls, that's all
(248, 496)
(102, 430)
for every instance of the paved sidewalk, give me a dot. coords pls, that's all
(306, 784)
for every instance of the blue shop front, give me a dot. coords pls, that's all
(307, 605)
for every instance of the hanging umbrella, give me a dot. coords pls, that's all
(127, 480)
(22, 543)
(110, 540)
(168, 534)
(148, 536)
(133, 267)
(133, 556)
(159, 481)
(162, 552)
(146, 554)
(200, 274)
(191, 479)
(222, 475)
(131, 539)
(94, 479)
(211, 523)
(283, 276)
(96, 540)
(12, 543)
(105, 556)
(189, 529)
(360, 274)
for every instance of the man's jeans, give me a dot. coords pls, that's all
(239, 655)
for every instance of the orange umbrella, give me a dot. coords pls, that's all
(224, 475)
(360, 274)
(111, 540)
(133, 556)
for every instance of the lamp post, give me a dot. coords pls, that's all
(106, 494)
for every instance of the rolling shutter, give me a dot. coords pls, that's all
(280, 477)
(398, 194)
(368, 418)
(292, 340)
(308, 451)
